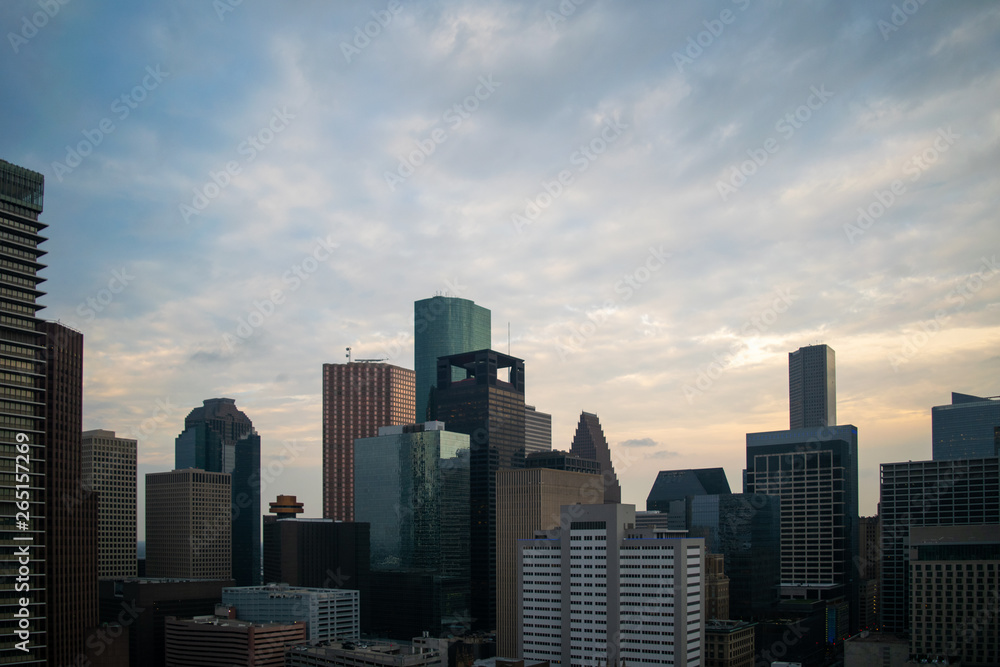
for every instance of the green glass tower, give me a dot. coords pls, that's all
(442, 326)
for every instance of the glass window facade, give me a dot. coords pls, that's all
(969, 428)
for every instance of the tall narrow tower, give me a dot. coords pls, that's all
(442, 326)
(218, 437)
(22, 384)
(358, 398)
(812, 387)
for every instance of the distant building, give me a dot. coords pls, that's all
(955, 593)
(589, 443)
(210, 640)
(673, 489)
(746, 530)
(716, 603)
(358, 398)
(729, 643)
(71, 527)
(812, 387)
(188, 525)
(869, 567)
(442, 326)
(537, 430)
(600, 592)
(969, 428)
(218, 437)
(411, 485)
(877, 648)
(330, 614)
(140, 607)
(361, 654)
(490, 411)
(530, 500)
(560, 460)
(109, 471)
(928, 493)
(815, 473)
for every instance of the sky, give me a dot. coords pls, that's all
(660, 200)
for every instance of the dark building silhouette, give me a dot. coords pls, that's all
(969, 428)
(141, 606)
(358, 398)
(442, 326)
(218, 437)
(812, 387)
(22, 384)
(560, 460)
(672, 490)
(589, 443)
(71, 531)
(491, 412)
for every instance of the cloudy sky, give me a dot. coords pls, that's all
(661, 199)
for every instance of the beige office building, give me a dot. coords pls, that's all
(529, 500)
(188, 525)
(109, 470)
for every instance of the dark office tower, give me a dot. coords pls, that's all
(71, 531)
(928, 493)
(868, 565)
(673, 487)
(969, 428)
(218, 437)
(491, 412)
(22, 420)
(812, 387)
(443, 326)
(559, 460)
(746, 529)
(590, 443)
(815, 473)
(358, 398)
(537, 430)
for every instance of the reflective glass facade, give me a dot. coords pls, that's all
(442, 326)
(812, 387)
(746, 529)
(969, 428)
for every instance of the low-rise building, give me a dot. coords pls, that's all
(211, 641)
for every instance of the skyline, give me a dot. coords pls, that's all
(575, 172)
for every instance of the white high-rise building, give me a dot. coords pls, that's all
(109, 469)
(599, 591)
(329, 613)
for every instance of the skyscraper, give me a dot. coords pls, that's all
(537, 430)
(530, 500)
(188, 524)
(491, 412)
(815, 473)
(358, 398)
(71, 530)
(589, 442)
(218, 437)
(915, 494)
(600, 592)
(411, 484)
(109, 471)
(812, 387)
(969, 428)
(443, 326)
(22, 385)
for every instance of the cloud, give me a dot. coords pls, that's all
(639, 442)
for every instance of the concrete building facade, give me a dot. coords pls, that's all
(109, 470)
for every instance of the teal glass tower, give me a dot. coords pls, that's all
(442, 326)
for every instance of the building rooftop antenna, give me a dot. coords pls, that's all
(348, 355)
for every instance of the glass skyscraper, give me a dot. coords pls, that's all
(812, 387)
(442, 326)
(969, 428)
(218, 437)
(411, 484)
